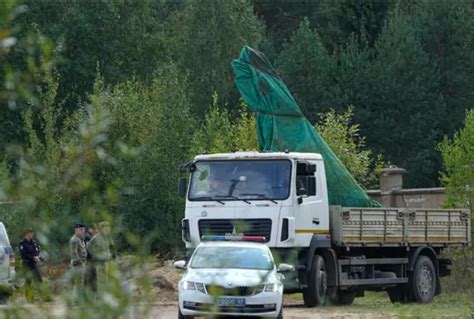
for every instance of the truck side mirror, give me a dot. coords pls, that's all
(182, 184)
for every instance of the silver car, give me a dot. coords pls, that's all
(231, 279)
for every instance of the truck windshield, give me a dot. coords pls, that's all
(232, 257)
(240, 180)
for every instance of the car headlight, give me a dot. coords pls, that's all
(189, 285)
(271, 288)
(258, 289)
(200, 287)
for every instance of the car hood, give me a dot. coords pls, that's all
(231, 277)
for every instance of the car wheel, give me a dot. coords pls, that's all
(423, 284)
(315, 292)
(181, 316)
(3, 300)
(280, 315)
(344, 298)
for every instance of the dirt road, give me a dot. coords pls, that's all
(170, 312)
(291, 312)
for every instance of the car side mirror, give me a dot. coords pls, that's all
(180, 264)
(182, 184)
(285, 268)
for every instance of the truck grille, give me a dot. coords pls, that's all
(248, 227)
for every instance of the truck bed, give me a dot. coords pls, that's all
(351, 226)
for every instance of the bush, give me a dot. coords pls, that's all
(458, 178)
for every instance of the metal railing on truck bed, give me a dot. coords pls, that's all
(400, 227)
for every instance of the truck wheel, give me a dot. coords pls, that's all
(344, 298)
(315, 292)
(423, 284)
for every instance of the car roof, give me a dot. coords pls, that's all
(242, 244)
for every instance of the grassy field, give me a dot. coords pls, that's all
(443, 306)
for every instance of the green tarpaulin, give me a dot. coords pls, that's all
(282, 126)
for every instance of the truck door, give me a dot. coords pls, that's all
(310, 208)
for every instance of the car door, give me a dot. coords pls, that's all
(5, 251)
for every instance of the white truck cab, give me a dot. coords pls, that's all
(281, 196)
(337, 252)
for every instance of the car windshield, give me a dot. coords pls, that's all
(232, 257)
(243, 179)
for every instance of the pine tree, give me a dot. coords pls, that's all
(305, 67)
(211, 35)
(402, 115)
(447, 33)
(341, 20)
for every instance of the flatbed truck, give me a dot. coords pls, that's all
(338, 252)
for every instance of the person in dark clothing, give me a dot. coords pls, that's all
(30, 260)
(90, 277)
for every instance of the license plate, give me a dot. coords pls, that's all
(233, 302)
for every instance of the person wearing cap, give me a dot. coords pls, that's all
(78, 256)
(99, 250)
(30, 260)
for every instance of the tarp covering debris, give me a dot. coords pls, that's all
(282, 126)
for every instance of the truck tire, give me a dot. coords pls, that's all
(423, 284)
(315, 292)
(344, 298)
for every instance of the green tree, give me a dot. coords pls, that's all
(458, 161)
(446, 32)
(26, 55)
(458, 179)
(305, 66)
(210, 35)
(282, 18)
(349, 146)
(341, 20)
(154, 121)
(120, 39)
(402, 109)
(350, 75)
(219, 134)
